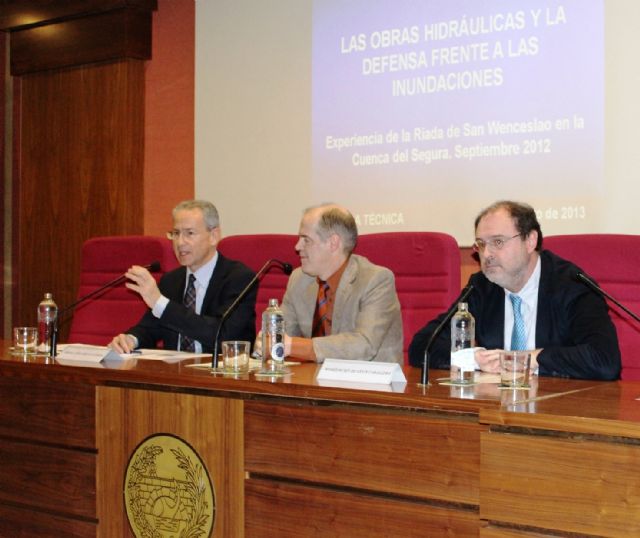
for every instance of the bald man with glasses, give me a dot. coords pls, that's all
(528, 298)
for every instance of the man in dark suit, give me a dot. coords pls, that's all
(186, 307)
(566, 326)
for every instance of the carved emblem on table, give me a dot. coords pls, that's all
(168, 491)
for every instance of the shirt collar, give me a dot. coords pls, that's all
(529, 291)
(203, 274)
(334, 279)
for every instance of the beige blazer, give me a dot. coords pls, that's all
(366, 323)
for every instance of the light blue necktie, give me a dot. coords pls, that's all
(518, 335)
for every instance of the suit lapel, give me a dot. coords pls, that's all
(489, 325)
(495, 318)
(309, 300)
(544, 317)
(343, 295)
(176, 286)
(215, 284)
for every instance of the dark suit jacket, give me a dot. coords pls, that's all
(227, 281)
(573, 326)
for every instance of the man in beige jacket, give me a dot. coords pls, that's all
(338, 304)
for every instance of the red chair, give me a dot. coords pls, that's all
(98, 319)
(254, 251)
(613, 261)
(427, 270)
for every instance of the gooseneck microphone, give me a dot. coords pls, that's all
(454, 308)
(287, 268)
(153, 267)
(589, 282)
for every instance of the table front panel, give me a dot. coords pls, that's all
(492, 531)
(48, 478)
(47, 411)
(16, 522)
(290, 510)
(571, 484)
(211, 426)
(412, 454)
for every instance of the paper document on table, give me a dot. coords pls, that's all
(71, 354)
(465, 359)
(87, 353)
(166, 355)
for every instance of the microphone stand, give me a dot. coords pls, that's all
(584, 278)
(286, 268)
(153, 267)
(454, 308)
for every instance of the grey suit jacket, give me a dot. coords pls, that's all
(366, 324)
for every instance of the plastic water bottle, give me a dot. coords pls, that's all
(47, 314)
(463, 335)
(273, 339)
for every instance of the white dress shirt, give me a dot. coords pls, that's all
(203, 276)
(528, 309)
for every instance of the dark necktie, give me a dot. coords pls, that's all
(320, 320)
(186, 343)
(518, 335)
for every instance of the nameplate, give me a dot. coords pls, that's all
(85, 353)
(379, 373)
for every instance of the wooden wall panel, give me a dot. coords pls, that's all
(5, 289)
(293, 510)
(81, 173)
(108, 36)
(169, 115)
(20, 13)
(468, 265)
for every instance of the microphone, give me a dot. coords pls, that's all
(454, 308)
(287, 268)
(589, 282)
(153, 267)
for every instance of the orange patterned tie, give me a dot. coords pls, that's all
(320, 320)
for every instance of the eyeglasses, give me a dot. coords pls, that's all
(497, 243)
(187, 235)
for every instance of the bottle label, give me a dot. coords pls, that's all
(277, 351)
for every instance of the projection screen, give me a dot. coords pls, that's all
(416, 115)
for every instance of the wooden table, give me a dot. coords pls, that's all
(295, 458)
